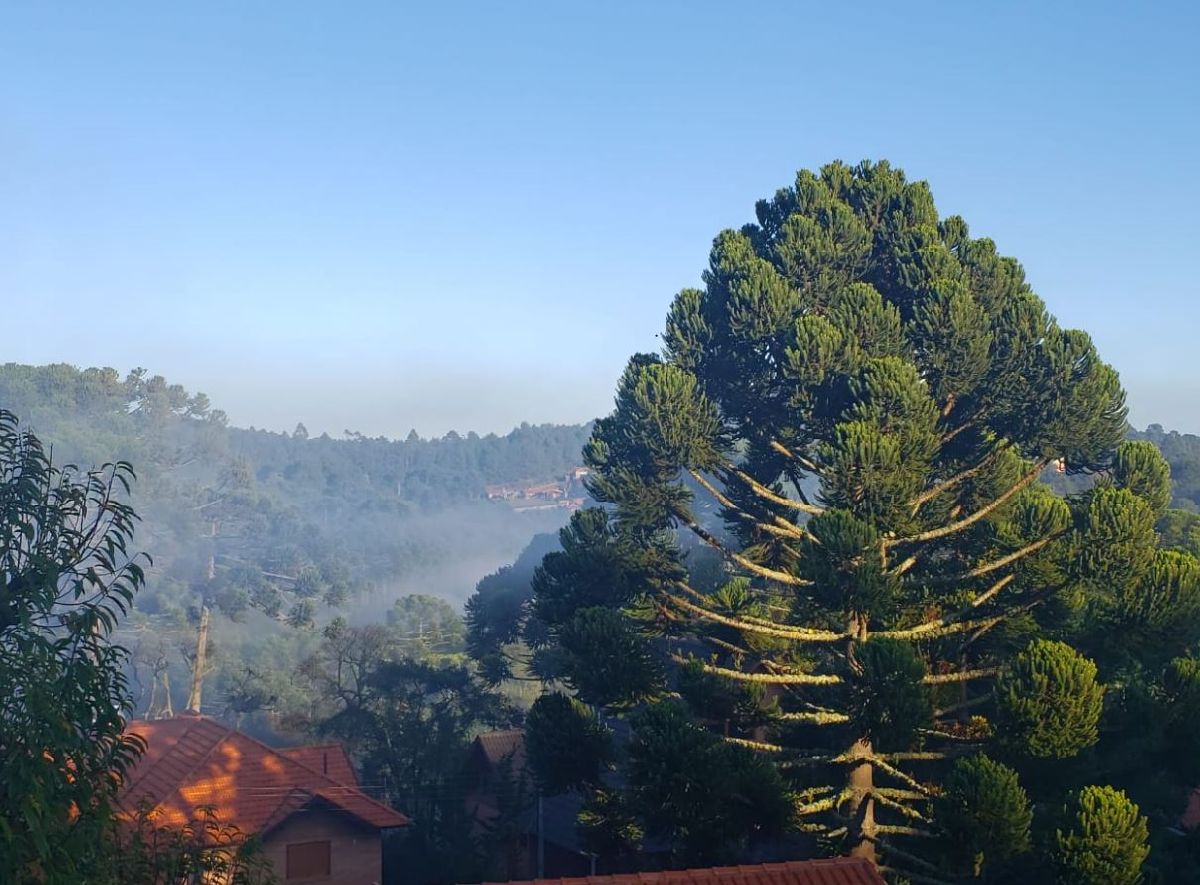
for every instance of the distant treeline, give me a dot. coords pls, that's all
(96, 414)
(249, 523)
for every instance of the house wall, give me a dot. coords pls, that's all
(355, 853)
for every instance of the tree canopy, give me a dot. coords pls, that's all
(854, 413)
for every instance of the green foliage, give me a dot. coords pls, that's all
(1142, 600)
(842, 559)
(427, 624)
(607, 659)
(1182, 451)
(883, 446)
(705, 796)
(408, 724)
(886, 701)
(1179, 716)
(1140, 467)
(592, 569)
(1118, 540)
(201, 850)
(275, 529)
(496, 612)
(1180, 529)
(608, 825)
(1048, 702)
(984, 815)
(1103, 840)
(505, 833)
(68, 576)
(565, 743)
(1162, 608)
(722, 701)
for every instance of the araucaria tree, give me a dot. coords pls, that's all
(855, 412)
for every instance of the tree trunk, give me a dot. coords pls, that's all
(860, 807)
(152, 704)
(168, 708)
(193, 704)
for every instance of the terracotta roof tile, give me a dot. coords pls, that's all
(192, 762)
(496, 745)
(329, 759)
(826, 871)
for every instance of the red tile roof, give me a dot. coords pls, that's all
(192, 762)
(329, 759)
(826, 871)
(496, 745)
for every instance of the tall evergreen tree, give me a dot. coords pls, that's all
(855, 412)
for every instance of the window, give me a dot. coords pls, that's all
(307, 860)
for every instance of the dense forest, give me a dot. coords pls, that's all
(275, 533)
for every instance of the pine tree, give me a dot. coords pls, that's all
(984, 814)
(566, 745)
(1048, 702)
(1105, 840)
(868, 395)
(854, 413)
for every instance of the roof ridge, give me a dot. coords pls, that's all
(278, 751)
(335, 746)
(289, 760)
(305, 779)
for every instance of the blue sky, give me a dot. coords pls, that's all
(380, 216)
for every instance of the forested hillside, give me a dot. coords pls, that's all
(271, 531)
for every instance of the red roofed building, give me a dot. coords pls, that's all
(315, 822)
(826, 871)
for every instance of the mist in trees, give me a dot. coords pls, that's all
(262, 536)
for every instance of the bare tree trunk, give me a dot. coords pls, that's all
(168, 707)
(152, 705)
(860, 806)
(198, 665)
(160, 709)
